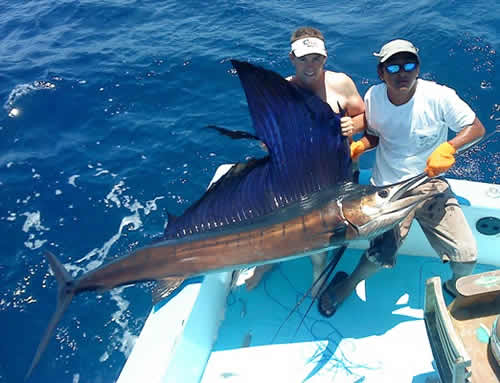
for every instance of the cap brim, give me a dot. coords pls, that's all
(304, 52)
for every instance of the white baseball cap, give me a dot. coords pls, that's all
(307, 46)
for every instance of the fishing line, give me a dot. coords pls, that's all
(331, 267)
(328, 270)
(333, 336)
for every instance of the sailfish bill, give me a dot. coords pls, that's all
(296, 201)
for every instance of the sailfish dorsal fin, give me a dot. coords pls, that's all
(307, 154)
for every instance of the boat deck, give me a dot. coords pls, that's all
(378, 335)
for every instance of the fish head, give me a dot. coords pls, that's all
(372, 210)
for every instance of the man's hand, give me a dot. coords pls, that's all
(357, 149)
(347, 126)
(440, 159)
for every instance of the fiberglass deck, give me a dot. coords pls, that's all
(378, 335)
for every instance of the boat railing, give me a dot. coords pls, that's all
(452, 360)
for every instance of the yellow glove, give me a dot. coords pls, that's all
(357, 149)
(440, 159)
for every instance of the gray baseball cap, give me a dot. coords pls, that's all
(396, 46)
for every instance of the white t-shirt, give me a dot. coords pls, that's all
(409, 133)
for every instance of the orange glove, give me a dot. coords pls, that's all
(357, 149)
(440, 159)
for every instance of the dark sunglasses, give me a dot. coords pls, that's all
(395, 68)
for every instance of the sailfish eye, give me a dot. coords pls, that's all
(383, 193)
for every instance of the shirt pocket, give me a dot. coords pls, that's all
(427, 135)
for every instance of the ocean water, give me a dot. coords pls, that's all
(102, 132)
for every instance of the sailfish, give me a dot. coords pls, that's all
(296, 200)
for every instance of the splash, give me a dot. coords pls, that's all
(133, 222)
(22, 90)
(72, 179)
(33, 221)
(121, 339)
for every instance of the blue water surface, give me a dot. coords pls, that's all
(102, 131)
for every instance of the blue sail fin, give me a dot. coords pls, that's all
(307, 154)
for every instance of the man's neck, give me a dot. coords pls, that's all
(317, 87)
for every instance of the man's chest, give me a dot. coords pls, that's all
(412, 128)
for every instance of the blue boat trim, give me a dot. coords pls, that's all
(463, 201)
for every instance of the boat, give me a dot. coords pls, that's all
(464, 336)
(399, 326)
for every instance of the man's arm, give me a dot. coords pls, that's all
(443, 157)
(359, 123)
(468, 135)
(354, 107)
(369, 141)
(366, 142)
(354, 104)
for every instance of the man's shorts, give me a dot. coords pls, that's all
(443, 223)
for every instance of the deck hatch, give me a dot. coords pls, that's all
(488, 225)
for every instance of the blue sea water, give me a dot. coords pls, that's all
(102, 131)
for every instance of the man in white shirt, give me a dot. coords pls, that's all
(408, 119)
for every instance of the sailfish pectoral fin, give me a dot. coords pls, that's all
(234, 134)
(66, 294)
(164, 287)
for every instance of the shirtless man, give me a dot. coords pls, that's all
(308, 55)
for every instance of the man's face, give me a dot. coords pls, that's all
(308, 68)
(404, 80)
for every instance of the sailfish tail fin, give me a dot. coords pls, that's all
(65, 295)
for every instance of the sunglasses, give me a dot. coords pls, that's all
(395, 68)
